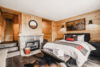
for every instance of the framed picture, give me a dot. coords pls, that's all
(76, 25)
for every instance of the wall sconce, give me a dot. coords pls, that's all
(90, 22)
(62, 28)
(92, 26)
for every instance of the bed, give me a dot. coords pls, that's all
(76, 49)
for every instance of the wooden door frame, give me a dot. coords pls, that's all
(15, 13)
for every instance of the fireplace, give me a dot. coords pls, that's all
(32, 41)
(33, 45)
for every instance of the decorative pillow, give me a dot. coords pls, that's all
(80, 37)
(70, 39)
(75, 37)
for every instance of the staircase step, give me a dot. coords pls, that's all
(6, 45)
(12, 49)
(12, 54)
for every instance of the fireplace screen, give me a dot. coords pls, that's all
(33, 45)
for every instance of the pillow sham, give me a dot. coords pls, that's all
(70, 39)
(75, 38)
(80, 37)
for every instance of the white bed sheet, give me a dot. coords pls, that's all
(71, 51)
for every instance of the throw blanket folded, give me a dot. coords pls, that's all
(77, 46)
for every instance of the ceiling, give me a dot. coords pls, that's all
(52, 9)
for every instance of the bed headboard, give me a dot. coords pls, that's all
(86, 38)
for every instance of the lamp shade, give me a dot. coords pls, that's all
(90, 22)
(62, 26)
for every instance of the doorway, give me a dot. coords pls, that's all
(9, 25)
(9, 30)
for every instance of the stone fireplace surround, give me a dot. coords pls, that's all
(27, 38)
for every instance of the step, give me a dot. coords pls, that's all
(12, 54)
(12, 49)
(6, 45)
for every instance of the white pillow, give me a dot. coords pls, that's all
(80, 38)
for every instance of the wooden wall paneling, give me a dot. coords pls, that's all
(94, 29)
(11, 14)
(19, 21)
(47, 29)
(7, 10)
(54, 31)
(16, 27)
(24, 27)
(0, 24)
(16, 31)
(7, 15)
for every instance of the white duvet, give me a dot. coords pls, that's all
(71, 51)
